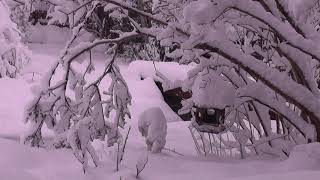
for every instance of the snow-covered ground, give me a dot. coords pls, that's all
(20, 162)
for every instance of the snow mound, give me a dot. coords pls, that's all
(309, 175)
(172, 71)
(152, 125)
(20, 162)
(306, 156)
(14, 94)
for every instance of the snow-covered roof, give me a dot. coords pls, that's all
(210, 90)
(168, 73)
(145, 94)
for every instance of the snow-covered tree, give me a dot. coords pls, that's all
(75, 108)
(102, 23)
(13, 53)
(20, 16)
(266, 51)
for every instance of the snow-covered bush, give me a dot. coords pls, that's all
(153, 126)
(13, 54)
(20, 16)
(76, 109)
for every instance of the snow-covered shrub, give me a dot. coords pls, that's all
(20, 16)
(13, 54)
(153, 126)
(76, 109)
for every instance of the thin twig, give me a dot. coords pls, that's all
(173, 151)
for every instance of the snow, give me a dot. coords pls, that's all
(48, 34)
(19, 161)
(54, 36)
(141, 99)
(216, 39)
(305, 157)
(193, 12)
(13, 97)
(173, 71)
(291, 175)
(144, 92)
(22, 162)
(13, 53)
(211, 91)
(153, 126)
(300, 7)
(63, 13)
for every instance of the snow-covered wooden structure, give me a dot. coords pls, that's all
(210, 94)
(165, 79)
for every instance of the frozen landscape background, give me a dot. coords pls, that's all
(179, 159)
